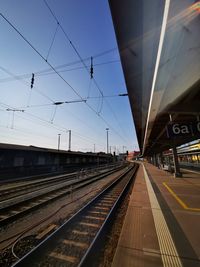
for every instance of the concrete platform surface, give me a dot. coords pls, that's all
(162, 224)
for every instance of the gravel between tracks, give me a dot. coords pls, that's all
(6, 257)
(107, 253)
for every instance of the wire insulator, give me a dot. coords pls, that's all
(32, 80)
(91, 68)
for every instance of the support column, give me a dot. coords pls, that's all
(156, 160)
(161, 163)
(177, 172)
(168, 163)
(161, 160)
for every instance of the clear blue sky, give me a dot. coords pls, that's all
(88, 25)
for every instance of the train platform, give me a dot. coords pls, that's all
(162, 223)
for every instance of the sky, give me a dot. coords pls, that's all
(55, 40)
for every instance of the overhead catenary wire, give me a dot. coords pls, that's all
(79, 61)
(54, 114)
(44, 105)
(24, 132)
(50, 72)
(41, 93)
(87, 139)
(67, 37)
(89, 71)
(47, 72)
(84, 59)
(23, 135)
(13, 114)
(46, 123)
(41, 56)
(38, 118)
(53, 39)
(26, 83)
(22, 36)
(89, 88)
(64, 80)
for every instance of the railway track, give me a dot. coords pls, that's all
(77, 241)
(7, 181)
(33, 183)
(18, 190)
(18, 206)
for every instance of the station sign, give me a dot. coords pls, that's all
(183, 129)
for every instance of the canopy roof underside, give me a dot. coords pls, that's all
(159, 45)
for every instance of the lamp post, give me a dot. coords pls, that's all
(59, 141)
(123, 148)
(70, 140)
(107, 129)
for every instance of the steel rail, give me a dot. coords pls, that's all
(47, 246)
(43, 180)
(8, 193)
(91, 254)
(70, 169)
(15, 201)
(25, 206)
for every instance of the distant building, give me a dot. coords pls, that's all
(133, 155)
(122, 156)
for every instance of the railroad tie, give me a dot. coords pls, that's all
(98, 212)
(101, 208)
(109, 198)
(105, 204)
(75, 243)
(83, 233)
(95, 218)
(63, 257)
(94, 225)
(109, 201)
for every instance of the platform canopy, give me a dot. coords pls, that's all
(159, 46)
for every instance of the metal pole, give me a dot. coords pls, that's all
(177, 172)
(12, 125)
(59, 141)
(107, 139)
(69, 140)
(94, 148)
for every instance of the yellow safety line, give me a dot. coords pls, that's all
(169, 254)
(179, 200)
(178, 184)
